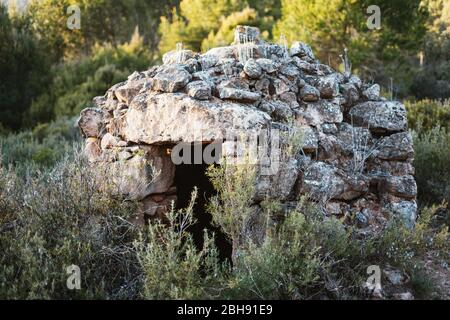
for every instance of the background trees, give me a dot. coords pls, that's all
(48, 70)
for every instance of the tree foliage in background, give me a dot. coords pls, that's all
(331, 26)
(101, 21)
(433, 79)
(194, 21)
(50, 70)
(23, 69)
(42, 51)
(75, 83)
(203, 24)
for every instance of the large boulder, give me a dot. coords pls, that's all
(171, 118)
(380, 116)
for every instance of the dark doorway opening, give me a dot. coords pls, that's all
(188, 176)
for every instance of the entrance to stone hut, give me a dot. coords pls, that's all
(187, 177)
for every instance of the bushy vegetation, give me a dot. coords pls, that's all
(53, 219)
(429, 121)
(424, 115)
(41, 147)
(174, 268)
(432, 154)
(65, 216)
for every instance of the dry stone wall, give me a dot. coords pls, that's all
(356, 153)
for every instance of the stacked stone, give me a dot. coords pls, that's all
(356, 158)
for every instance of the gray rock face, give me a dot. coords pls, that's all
(324, 182)
(302, 50)
(339, 142)
(248, 33)
(372, 92)
(403, 186)
(389, 116)
(309, 93)
(405, 210)
(398, 146)
(281, 111)
(178, 56)
(140, 176)
(170, 78)
(350, 94)
(320, 112)
(289, 70)
(279, 185)
(267, 65)
(329, 86)
(157, 119)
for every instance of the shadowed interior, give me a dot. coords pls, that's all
(188, 176)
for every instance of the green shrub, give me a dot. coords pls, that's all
(231, 208)
(62, 216)
(306, 255)
(427, 114)
(41, 147)
(173, 267)
(58, 218)
(432, 164)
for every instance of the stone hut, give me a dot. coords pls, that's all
(355, 155)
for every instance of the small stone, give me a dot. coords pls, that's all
(281, 111)
(403, 186)
(394, 276)
(178, 56)
(404, 296)
(267, 65)
(350, 94)
(171, 78)
(122, 144)
(291, 99)
(309, 139)
(289, 70)
(208, 61)
(109, 141)
(329, 86)
(309, 93)
(252, 69)
(361, 220)
(397, 146)
(92, 149)
(266, 106)
(356, 81)
(372, 93)
(239, 95)
(251, 34)
(320, 112)
(329, 128)
(405, 210)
